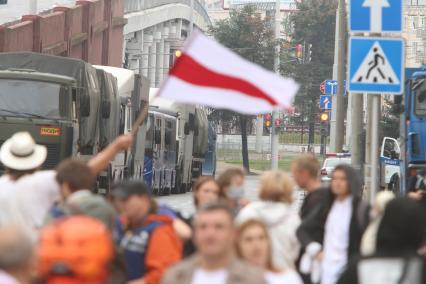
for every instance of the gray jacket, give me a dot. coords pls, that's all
(239, 273)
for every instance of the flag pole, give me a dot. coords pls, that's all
(141, 118)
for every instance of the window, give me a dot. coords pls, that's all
(93, 81)
(32, 98)
(420, 97)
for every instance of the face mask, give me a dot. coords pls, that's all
(236, 192)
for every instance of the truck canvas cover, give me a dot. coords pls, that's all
(109, 119)
(84, 74)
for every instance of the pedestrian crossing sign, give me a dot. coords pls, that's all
(376, 65)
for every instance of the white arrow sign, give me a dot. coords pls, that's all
(376, 9)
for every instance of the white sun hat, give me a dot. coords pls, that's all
(21, 153)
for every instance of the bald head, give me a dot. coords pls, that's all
(16, 248)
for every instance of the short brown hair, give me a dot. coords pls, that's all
(213, 207)
(199, 183)
(308, 162)
(255, 223)
(76, 173)
(276, 186)
(225, 179)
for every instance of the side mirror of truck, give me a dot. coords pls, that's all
(106, 109)
(84, 104)
(186, 128)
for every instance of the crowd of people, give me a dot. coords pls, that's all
(55, 230)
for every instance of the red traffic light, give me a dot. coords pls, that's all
(322, 87)
(268, 116)
(299, 50)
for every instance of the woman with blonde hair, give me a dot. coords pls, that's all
(254, 246)
(274, 209)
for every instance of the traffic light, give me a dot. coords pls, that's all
(324, 117)
(309, 53)
(299, 51)
(268, 120)
(322, 87)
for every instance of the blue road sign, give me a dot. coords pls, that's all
(376, 65)
(375, 16)
(325, 102)
(330, 87)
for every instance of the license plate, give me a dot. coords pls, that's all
(50, 131)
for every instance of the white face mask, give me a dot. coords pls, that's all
(236, 192)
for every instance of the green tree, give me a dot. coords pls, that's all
(251, 36)
(390, 120)
(313, 23)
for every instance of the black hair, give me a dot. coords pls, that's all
(353, 180)
(402, 227)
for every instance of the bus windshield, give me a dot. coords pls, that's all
(25, 98)
(420, 97)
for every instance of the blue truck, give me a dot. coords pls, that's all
(405, 157)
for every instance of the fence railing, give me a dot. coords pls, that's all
(139, 5)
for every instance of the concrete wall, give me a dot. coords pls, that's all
(91, 30)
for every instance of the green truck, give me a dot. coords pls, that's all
(68, 105)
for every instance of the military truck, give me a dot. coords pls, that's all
(72, 108)
(56, 99)
(132, 94)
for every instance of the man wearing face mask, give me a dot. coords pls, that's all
(231, 183)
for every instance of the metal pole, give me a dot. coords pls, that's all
(274, 136)
(191, 18)
(340, 131)
(368, 127)
(375, 119)
(356, 129)
(334, 98)
(259, 133)
(32, 7)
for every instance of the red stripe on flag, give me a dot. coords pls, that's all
(190, 71)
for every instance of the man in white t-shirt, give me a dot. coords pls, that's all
(214, 262)
(27, 194)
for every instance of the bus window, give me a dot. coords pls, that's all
(420, 98)
(168, 139)
(157, 133)
(149, 132)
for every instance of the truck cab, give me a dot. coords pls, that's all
(413, 126)
(43, 104)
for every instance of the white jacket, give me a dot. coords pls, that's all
(282, 222)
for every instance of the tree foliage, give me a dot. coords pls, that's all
(248, 34)
(313, 23)
(251, 36)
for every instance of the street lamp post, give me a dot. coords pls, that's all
(274, 134)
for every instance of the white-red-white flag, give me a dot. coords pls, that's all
(209, 74)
